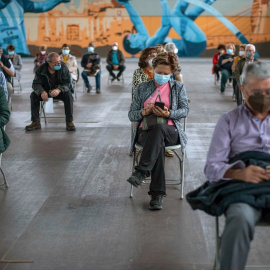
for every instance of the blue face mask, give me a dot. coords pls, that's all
(57, 67)
(229, 51)
(11, 53)
(65, 52)
(161, 79)
(90, 49)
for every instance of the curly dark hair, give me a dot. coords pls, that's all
(167, 59)
(145, 53)
(221, 47)
(10, 47)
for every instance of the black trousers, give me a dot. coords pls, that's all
(217, 70)
(152, 159)
(66, 97)
(120, 69)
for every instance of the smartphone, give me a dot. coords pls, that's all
(160, 104)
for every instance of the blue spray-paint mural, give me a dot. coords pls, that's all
(12, 30)
(181, 19)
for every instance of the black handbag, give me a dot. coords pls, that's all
(151, 119)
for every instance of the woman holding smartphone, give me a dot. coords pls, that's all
(157, 107)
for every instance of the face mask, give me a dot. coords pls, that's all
(43, 52)
(11, 53)
(161, 79)
(65, 52)
(229, 51)
(150, 61)
(175, 50)
(241, 53)
(248, 54)
(114, 48)
(259, 103)
(90, 49)
(57, 67)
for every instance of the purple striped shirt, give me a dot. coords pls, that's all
(236, 131)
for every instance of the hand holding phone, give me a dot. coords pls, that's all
(160, 104)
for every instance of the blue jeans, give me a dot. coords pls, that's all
(86, 81)
(225, 75)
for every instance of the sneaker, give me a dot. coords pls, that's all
(229, 84)
(70, 126)
(89, 89)
(136, 179)
(168, 153)
(34, 126)
(156, 202)
(98, 91)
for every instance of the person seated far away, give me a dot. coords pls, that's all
(115, 61)
(70, 62)
(7, 68)
(225, 63)
(40, 57)
(3, 83)
(216, 68)
(154, 135)
(247, 59)
(91, 67)
(170, 47)
(52, 79)
(238, 168)
(16, 61)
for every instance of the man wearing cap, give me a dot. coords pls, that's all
(115, 60)
(91, 64)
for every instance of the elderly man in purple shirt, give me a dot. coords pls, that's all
(246, 128)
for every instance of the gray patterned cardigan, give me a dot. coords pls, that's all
(178, 103)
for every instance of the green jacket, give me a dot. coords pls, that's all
(239, 68)
(4, 118)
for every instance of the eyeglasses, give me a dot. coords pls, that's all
(56, 64)
(257, 92)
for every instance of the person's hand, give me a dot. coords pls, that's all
(44, 96)
(115, 66)
(230, 59)
(89, 65)
(1, 64)
(148, 109)
(38, 64)
(55, 92)
(159, 112)
(252, 174)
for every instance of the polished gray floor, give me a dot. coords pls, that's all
(68, 204)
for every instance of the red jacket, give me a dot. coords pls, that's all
(215, 61)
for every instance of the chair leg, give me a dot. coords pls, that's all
(182, 175)
(4, 177)
(133, 168)
(217, 257)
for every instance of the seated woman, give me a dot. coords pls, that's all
(70, 61)
(169, 132)
(216, 68)
(40, 58)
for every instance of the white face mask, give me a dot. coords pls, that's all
(43, 52)
(150, 62)
(114, 48)
(175, 50)
(241, 53)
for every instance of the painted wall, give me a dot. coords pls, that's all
(196, 26)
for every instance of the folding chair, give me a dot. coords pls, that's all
(180, 157)
(5, 184)
(218, 242)
(19, 86)
(121, 79)
(92, 75)
(42, 112)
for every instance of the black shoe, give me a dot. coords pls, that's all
(98, 91)
(89, 89)
(113, 78)
(136, 179)
(118, 79)
(156, 202)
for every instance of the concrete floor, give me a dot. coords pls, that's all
(68, 204)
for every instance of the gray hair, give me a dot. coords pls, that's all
(259, 70)
(51, 55)
(169, 47)
(252, 46)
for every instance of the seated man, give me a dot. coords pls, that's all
(8, 70)
(246, 128)
(115, 60)
(248, 59)
(16, 61)
(91, 64)
(52, 79)
(225, 63)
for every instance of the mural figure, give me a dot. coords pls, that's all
(181, 19)
(12, 30)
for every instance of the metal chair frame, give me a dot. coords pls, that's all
(217, 256)
(42, 111)
(5, 184)
(122, 80)
(169, 181)
(19, 84)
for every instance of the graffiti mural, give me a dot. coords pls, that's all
(195, 26)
